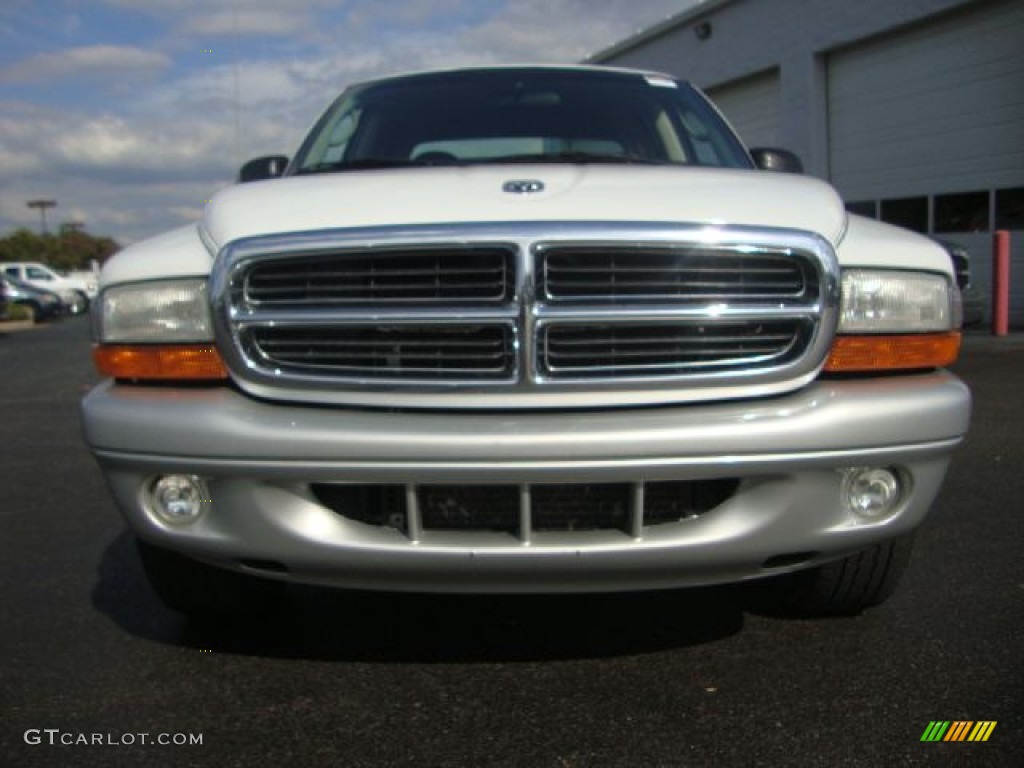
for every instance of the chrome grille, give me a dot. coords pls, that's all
(683, 274)
(449, 275)
(388, 351)
(525, 315)
(652, 349)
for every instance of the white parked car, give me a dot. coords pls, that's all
(76, 290)
(526, 329)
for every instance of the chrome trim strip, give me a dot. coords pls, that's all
(700, 467)
(376, 316)
(650, 314)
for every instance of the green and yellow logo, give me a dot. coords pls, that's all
(958, 730)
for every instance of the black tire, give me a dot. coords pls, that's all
(204, 592)
(842, 588)
(34, 312)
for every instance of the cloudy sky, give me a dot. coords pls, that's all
(131, 113)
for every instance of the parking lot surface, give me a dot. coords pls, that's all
(94, 671)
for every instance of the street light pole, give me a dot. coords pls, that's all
(42, 205)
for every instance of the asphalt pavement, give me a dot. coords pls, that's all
(93, 671)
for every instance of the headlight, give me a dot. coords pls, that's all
(157, 312)
(883, 301)
(157, 331)
(891, 320)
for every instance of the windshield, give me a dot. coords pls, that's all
(519, 116)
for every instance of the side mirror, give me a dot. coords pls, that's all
(777, 160)
(262, 168)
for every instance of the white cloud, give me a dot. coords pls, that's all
(124, 177)
(140, 165)
(227, 18)
(416, 13)
(269, 22)
(108, 209)
(110, 143)
(117, 61)
(186, 213)
(55, 142)
(19, 125)
(563, 30)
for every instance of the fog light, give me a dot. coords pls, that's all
(178, 499)
(872, 493)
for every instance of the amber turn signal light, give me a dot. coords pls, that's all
(887, 353)
(182, 362)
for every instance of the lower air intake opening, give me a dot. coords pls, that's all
(548, 507)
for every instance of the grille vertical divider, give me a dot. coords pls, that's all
(636, 511)
(413, 517)
(526, 291)
(525, 514)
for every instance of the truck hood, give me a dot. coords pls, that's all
(424, 196)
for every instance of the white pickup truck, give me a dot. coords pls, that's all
(526, 329)
(76, 290)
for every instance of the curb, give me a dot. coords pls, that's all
(16, 325)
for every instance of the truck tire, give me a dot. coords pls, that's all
(842, 588)
(205, 592)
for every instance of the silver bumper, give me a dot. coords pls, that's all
(789, 454)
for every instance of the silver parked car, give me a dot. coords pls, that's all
(41, 304)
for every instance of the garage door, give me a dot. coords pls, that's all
(936, 112)
(752, 106)
(934, 108)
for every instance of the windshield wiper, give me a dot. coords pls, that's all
(362, 164)
(372, 163)
(575, 158)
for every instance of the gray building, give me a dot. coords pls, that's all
(913, 109)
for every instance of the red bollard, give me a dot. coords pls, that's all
(1001, 283)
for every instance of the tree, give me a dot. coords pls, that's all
(71, 249)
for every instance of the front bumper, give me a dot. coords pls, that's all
(789, 453)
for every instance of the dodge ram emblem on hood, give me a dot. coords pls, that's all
(523, 186)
